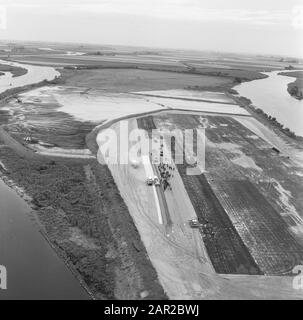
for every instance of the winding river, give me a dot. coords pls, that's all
(34, 74)
(34, 270)
(271, 95)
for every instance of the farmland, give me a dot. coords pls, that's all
(227, 251)
(128, 79)
(261, 228)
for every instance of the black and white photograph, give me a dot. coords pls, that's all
(151, 150)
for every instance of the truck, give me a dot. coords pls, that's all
(149, 181)
(30, 140)
(194, 223)
(156, 181)
(134, 164)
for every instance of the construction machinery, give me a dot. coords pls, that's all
(30, 140)
(194, 223)
(134, 164)
(156, 181)
(149, 181)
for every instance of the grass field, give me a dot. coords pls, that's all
(238, 74)
(295, 88)
(128, 80)
(16, 71)
(198, 70)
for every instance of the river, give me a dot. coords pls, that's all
(34, 270)
(34, 74)
(271, 95)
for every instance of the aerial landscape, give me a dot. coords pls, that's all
(140, 172)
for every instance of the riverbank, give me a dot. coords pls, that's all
(235, 78)
(33, 76)
(87, 222)
(295, 89)
(15, 71)
(12, 93)
(35, 271)
(268, 98)
(269, 121)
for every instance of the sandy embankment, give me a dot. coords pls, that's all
(178, 253)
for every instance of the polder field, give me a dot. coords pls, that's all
(61, 115)
(74, 54)
(129, 79)
(43, 122)
(70, 56)
(242, 196)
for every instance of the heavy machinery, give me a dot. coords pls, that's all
(194, 223)
(149, 181)
(30, 140)
(156, 181)
(134, 164)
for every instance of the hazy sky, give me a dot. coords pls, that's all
(255, 26)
